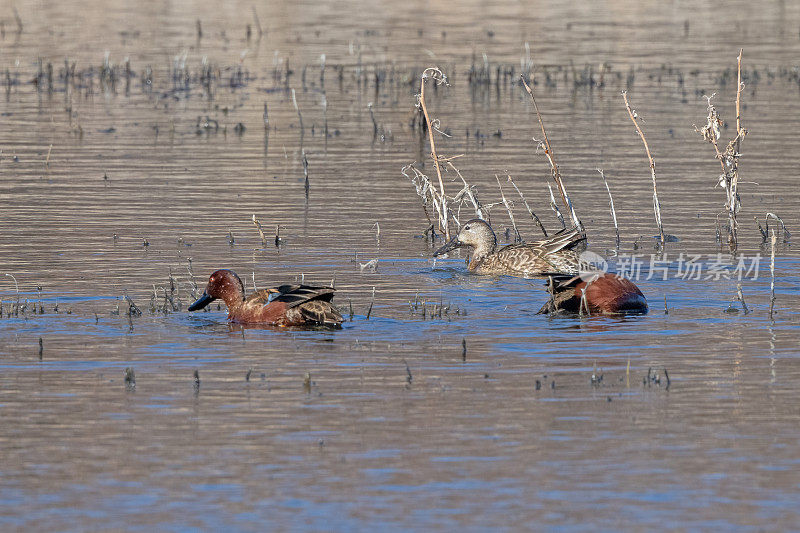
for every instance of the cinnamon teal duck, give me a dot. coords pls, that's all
(287, 305)
(602, 293)
(554, 255)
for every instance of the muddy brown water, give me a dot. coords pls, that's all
(387, 422)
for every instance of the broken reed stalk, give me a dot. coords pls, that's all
(517, 236)
(729, 159)
(528, 207)
(424, 189)
(555, 208)
(656, 203)
(260, 231)
(325, 115)
(584, 304)
(377, 227)
(551, 158)
(130, 378)
(371, 303)
(773, 241)
(467, 191)
(374, 122)
(299, 115)
(305, 172)
(786, 233)
(611, 203)
(438, 77)
(740, 133)
(740, 295)
(16, 286)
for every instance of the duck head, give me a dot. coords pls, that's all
(223, 284)
(475, 233)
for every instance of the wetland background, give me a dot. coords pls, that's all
(134, 149)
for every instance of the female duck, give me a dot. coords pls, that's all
(287, 305)
(554, 255)
(577, 287)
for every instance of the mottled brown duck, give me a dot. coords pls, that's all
(557, 254)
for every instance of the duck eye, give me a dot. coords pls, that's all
(466, 227)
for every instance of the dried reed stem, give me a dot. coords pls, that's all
(299, 115)
(374, 122)
(260, 231)
(467, 191)
(528, 207)
(371, 303)
(555, 208)
(424, 189)
(305, 172)
(773, 241)
(611, 204)
(786, 233)
(729, 159)
(656, 203)
(438, 76)
(551, 158)
(16, 286)
(739, 100)
(584, 304)
(517, 236)
(740, 295)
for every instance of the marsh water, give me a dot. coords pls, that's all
(135, 155)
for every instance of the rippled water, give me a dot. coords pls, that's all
(484, 415)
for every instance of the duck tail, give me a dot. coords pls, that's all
(322, 313)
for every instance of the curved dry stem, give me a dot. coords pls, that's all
(439, 77)
(551, 158)
(656, 203)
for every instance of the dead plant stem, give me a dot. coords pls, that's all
(551, 158)
(656, 204)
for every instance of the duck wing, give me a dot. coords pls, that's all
(535, 259)
(291, 295)
(566, 239)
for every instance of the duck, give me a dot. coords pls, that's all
(599, 293)
(557, 254)
(286, 305)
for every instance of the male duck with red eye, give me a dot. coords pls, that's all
(287, 305)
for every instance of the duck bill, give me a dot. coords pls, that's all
(452, 245)
(201, 302)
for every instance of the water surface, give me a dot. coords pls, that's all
(110, 184)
